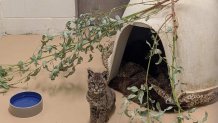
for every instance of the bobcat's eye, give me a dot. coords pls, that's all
(101, 84)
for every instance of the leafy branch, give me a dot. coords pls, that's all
(84, 35)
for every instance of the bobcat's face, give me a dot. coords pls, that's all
(97, 82)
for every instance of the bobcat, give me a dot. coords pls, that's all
(100, 97)
(132, 74)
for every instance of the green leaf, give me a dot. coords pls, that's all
(64, 46)
(140, 96)
(56, 55)
(68, 24)
(49, 48)
(117, 17)
(34, 60)
(205, 118)
(131, 96)
(50, 37)
(169, 29)
(84, 42)
(168, 108)
(43, 37)
(152, 101)
(44, 64)
(20, 64)
(46, 38)
(3, 72)
(112, 33)
(39, 56)
(158, 106)
(192, 110)
(148, 44)
(180, 118)
(143, 113)
(159, 60)
(178, 69)
(143, 87)
(158, 115)
(55, 72)
(150, 88)
(4, 85)
(104, 21)
(88, 23)
(157, 51)
(99, 34)
(133, 89)
(153, 36)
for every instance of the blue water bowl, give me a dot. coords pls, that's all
(26, 104)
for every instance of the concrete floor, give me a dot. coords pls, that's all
(64, 99)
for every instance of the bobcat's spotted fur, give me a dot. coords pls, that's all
(132, 74)
(100, 97)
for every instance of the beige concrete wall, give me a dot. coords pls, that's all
(197, 47)
(1, 26)
(85, 6)
(198, 42)
(35, 16)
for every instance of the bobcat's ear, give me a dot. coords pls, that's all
(105, 75)
(90, 73)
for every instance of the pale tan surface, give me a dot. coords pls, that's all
(64, 99)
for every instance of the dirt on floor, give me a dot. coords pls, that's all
(65, 99)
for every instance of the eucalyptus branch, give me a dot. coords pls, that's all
(173, 66)
(152, 53)
(157, 5)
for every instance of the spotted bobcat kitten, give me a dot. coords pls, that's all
(100, 97)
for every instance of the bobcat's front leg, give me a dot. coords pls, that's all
(93, 114)
(103, 116)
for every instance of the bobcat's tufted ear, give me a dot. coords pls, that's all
(105, 75)
(90, 73)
